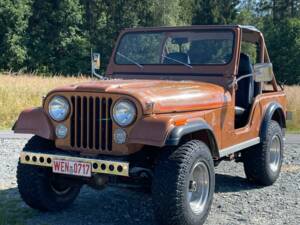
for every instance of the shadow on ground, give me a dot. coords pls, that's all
(112, 206)
(226, 183)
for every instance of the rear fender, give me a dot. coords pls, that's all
(275, 112)
(34, 121)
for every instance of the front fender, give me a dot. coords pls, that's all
(161, 131)
(34, 121)
(151, 131)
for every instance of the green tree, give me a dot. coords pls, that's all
(104, 19)
(279, 9)
(55, 36)
(13, 24)
(283, 41)
(57, 42)
(169, 12)
(214, 12)
(279, 22)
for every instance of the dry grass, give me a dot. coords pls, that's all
(24, 91)
(293, 96)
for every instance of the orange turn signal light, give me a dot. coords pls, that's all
(180, 122)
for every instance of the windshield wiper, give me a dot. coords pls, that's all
(175, 60)
(130, 60)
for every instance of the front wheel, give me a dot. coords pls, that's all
(42, 190)
(183, 185)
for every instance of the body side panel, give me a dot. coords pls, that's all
(231, 136)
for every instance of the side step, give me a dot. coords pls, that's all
(98, 166)
(239, 147)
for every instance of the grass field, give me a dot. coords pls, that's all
(24, 91)
(20, 92)
(293, 96)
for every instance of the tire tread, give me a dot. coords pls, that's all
(170, 175)
(255, 158)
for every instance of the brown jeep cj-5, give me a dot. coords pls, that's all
(175, 102)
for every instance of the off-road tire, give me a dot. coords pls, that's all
(35, 183)
(257, 158)
(171, 178)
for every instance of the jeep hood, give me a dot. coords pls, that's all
(160, 96)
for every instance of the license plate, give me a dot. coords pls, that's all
(72, 168)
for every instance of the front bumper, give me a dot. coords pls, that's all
(98, 166)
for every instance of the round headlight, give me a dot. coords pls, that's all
(58, 108)
(124, 113)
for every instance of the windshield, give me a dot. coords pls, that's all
(184, 48)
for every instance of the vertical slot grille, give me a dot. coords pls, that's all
(91, 123)
(103, 123)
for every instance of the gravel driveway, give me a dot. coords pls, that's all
(235, 202)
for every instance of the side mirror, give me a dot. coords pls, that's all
(263, 72)
(96, 61)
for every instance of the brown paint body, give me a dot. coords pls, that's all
(184, 94)
(35, 121)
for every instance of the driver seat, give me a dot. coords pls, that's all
(245, 91)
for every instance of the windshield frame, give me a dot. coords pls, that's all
(178, 69)
(163, 44)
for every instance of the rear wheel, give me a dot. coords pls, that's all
(262, 163)
(183, 185)
(39, 187)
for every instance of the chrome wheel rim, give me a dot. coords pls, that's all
(275, 153)
(198, 187)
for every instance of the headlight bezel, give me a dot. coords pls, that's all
(65, 100)
(133, 106)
